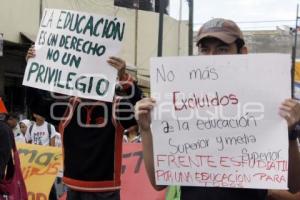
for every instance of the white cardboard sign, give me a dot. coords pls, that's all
(71, 53)
(216, 120)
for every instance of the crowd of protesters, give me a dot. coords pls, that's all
(98, 177)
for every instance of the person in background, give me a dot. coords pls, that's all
(13, 122)
(131, 135)
(58, 139)
(24, 126)
(41, 132)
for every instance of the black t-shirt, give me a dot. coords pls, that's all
(90, 151)
(213, 193)
(91, 139)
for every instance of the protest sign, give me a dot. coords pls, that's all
(216, 120)
(71, 53)
(40, 166)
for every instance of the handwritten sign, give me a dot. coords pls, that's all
(40, 166)
(216, 120)
(71, 53)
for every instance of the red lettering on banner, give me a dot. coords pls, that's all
(210, 163)
(223, 161)
(184, 161)
(138, 163)
(198, 101)
(270, 178)
(187, 161)
(176, 177)
(172, 160)
(36, 196)
(51, 169)
(204, 178)
(160, 158)
(224, 180)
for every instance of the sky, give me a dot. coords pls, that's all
(263, 14)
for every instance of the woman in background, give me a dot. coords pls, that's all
(24, 126)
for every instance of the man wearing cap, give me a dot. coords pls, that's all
(220, 37)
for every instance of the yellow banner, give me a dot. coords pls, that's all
(40, 166)
(297, 71)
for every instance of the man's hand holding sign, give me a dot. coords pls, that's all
(73, 54)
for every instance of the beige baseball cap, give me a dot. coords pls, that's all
(222, 29)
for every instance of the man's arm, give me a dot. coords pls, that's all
(142, 114)
(148, 157)
(282, 195)
(290, 110)
(128, 90)
(52, 142)
(294, 167)
(28, 135)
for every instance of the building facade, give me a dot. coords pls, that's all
(19, 23)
